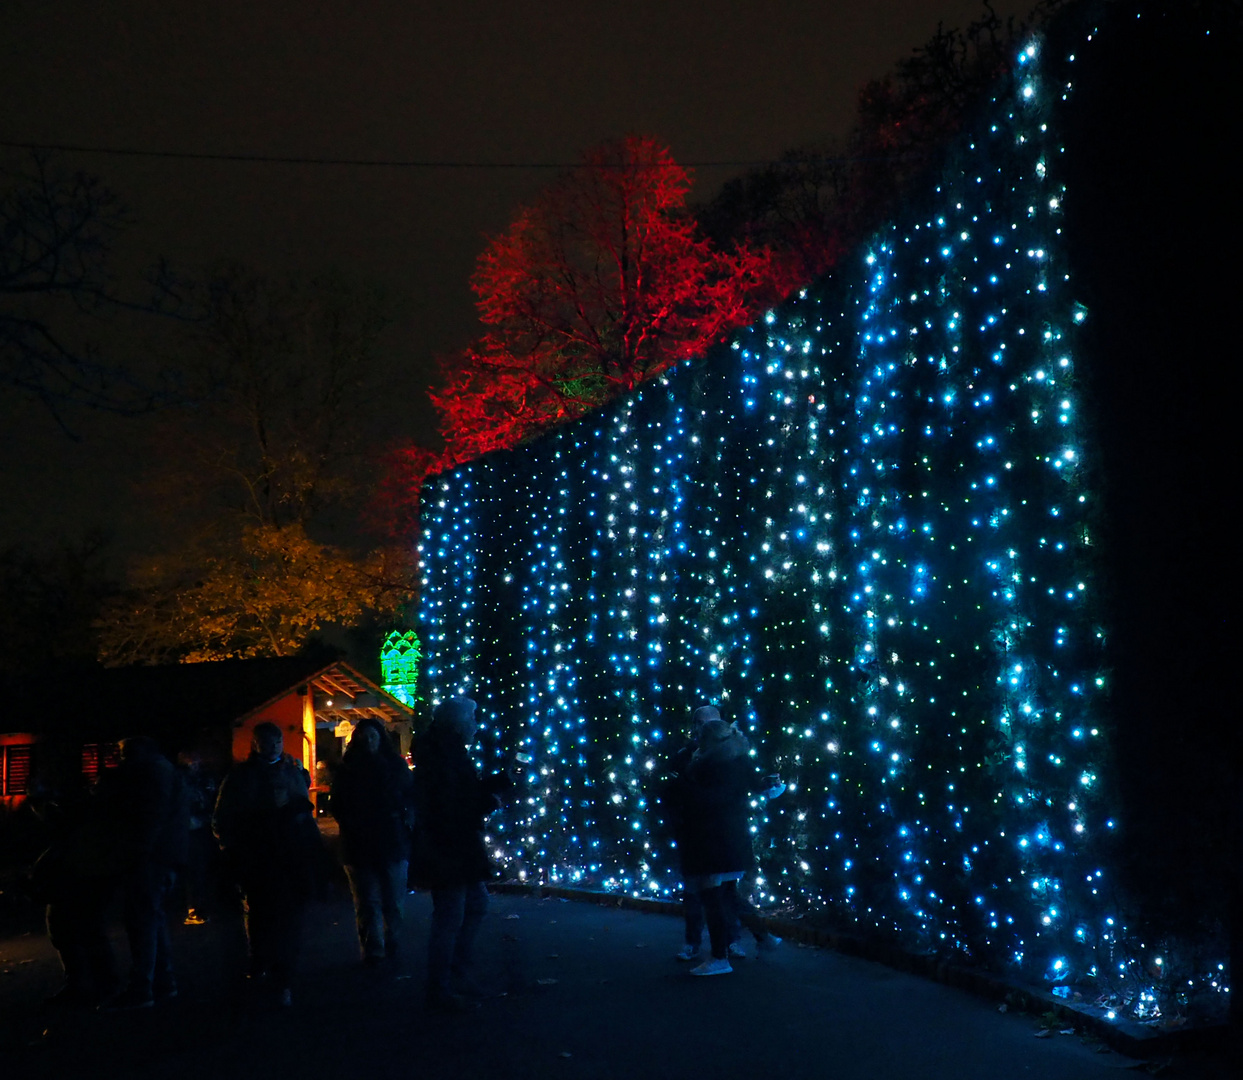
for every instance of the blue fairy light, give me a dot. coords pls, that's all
(887, 589)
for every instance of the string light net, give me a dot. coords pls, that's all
(865, 530)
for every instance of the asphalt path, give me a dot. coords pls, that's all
(575, 991)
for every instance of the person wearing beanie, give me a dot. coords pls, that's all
(716, 847)
(675, 797)
(452, 802)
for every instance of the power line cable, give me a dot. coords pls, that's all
(386, 163)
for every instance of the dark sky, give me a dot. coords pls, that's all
(517, 81)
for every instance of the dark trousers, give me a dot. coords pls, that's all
(198, 884)
(146, 891)
(274, 916)
(78, 929)
(379, 906)
(457, 912)
(724, 908)
(693, 917)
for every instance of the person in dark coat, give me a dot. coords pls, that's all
(716, 849)
(452, 802)
(373, 802)
(198, 885)
(674, 797)
(270, 844)
(77, 878)
(144, 800)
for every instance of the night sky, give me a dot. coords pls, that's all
(518, 83)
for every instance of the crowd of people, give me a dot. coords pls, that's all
(129, 837)
(150, 823)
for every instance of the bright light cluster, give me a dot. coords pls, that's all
(866, 531)
(399, 665)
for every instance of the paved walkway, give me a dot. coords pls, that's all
(580, 992)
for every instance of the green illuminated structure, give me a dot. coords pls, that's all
(399, 665)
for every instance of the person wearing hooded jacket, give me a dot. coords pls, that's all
(452, 802)
(373, 802)
(674, 797)
(716, 838)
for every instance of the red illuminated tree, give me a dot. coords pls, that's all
(598, 286)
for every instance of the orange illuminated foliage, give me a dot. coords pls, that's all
(266, 594)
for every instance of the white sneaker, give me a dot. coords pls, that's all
(768, 943)
(736, 951)
(712, 967)
(689, 952)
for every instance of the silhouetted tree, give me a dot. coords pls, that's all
(49, 601)
(57, 290)
(821, 200)
(260, 468)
